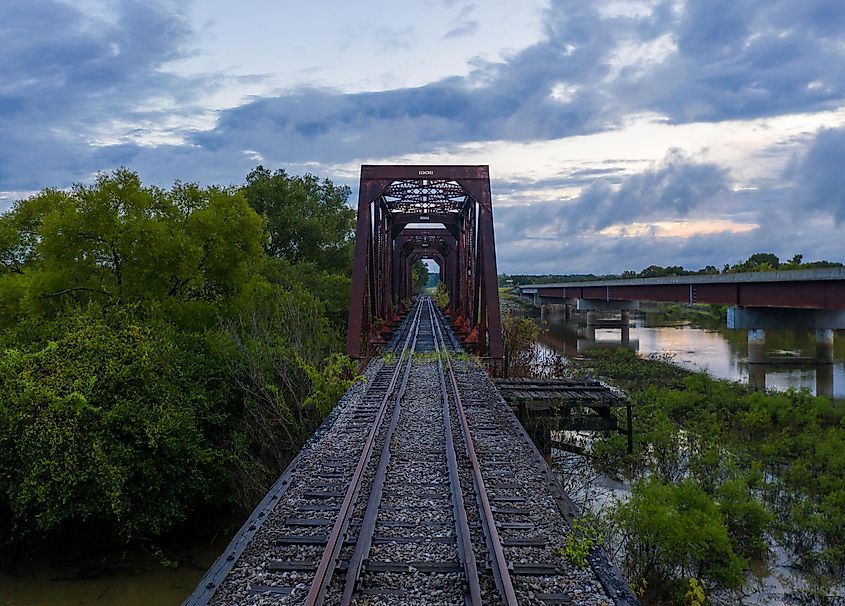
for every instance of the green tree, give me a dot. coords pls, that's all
(117, 242)
(153, 358)
(308, 219)
(441, 295)
(756, 262)
(419, 276)
(118, 420)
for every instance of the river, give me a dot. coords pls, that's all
(721, 352)
(121, 578)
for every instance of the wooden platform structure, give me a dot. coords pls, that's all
(546, 405)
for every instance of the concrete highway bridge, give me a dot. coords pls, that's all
(422, 486)
(812, 299)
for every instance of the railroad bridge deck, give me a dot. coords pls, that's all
(421, 487)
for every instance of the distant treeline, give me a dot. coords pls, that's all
(164, 352)
(756, 262)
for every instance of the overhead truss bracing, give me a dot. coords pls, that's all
(425, 196)
(408, 213)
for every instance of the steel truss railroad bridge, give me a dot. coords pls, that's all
(408, 213)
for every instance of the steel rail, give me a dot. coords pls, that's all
(498, 561)
(368, 525)
(465, 550)
(328, 561)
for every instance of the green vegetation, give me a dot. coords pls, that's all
(163, 352)
(756, 262)
(419, 277)
(519, 334)
(583, 538)
(698, 314)
(515, 305)
(675, 532)
(441, 296)
(724, 466)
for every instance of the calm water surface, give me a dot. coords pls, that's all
(721, 352)
(139, 580)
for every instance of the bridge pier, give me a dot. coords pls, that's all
(824, 345)
(757, 346)
(759, 319)
(824, 380)
(594, 307)
(557, 310)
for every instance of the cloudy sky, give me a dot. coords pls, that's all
(618, 133)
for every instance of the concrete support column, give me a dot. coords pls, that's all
(626, 336)
(757, 376)
(592, 318)
(756, 346)
(625, 317)
(824, 380)
(824, 346)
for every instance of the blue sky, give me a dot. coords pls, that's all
(619, 133)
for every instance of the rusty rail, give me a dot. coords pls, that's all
(328, 561)
(465, 550)
(498, 561)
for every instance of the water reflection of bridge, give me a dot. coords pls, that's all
(812, 299)
(572, 336)
(568, 333)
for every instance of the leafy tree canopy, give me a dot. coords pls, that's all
(162, 350)
(419, 276)
(118, 242)
(308, 219)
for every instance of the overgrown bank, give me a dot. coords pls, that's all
(718, 471)
(163, 353)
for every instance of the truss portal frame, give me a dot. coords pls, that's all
(456, 202)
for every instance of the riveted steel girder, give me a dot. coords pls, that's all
(440, 212)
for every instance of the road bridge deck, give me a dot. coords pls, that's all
(420, 488)
(798, 289)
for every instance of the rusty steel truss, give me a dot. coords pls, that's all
(408, 213)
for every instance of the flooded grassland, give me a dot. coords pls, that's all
(737, 488)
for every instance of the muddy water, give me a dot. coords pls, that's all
(770, 583)
(137, 580)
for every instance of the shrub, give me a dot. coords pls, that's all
(674, 533)
(115, 420)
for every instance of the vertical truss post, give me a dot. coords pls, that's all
(491, 278)
(359, 315)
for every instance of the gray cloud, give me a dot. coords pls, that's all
(467, 28)
(464, 24)
(733, 60)
(747, 58)
(79, 93)
(560, 236)
(68, 78)
(819, 176)
(588, 253)
(670, 190)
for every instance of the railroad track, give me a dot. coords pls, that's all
(412, 498)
